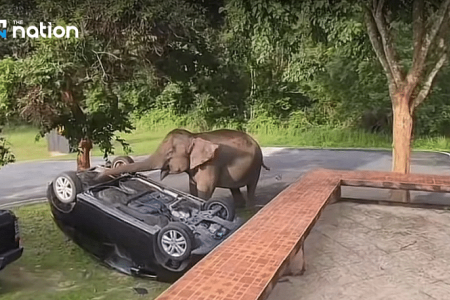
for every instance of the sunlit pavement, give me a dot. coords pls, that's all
(374, 252)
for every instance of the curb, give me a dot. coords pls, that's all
(22, 203)
(350, 149)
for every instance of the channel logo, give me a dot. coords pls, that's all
(45, 30)
(3, 31)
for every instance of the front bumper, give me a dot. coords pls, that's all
(10, 256)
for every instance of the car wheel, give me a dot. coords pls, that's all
(66, 186)
(175, 241)
(227, 210)
(121, 160)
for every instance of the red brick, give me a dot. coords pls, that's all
(249, 260)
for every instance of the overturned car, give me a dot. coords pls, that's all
(138, 226)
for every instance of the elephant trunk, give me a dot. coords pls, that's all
(153, 162)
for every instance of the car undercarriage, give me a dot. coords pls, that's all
(138, 226)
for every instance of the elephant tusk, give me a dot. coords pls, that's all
(164, 173)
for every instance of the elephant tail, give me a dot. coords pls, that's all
(265, 167)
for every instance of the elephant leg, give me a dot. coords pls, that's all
(206, 179)
(205, 191)
(238, 198)
(251, 189)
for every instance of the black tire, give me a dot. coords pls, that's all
(228, 210)
(66, 187)
(121, 160)
(177, 231)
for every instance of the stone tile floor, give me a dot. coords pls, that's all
(373, 252)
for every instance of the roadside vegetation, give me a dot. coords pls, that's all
(296, 73)
(144, 140)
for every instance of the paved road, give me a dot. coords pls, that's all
(21, 182)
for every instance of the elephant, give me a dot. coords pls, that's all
(221, 158)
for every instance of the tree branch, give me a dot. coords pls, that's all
(437, 24)
(377, 45)
(110, 54)
(389, 50)
(421, 52)
(376, 42)
(429, 82)
(418, 28)
(378, 5)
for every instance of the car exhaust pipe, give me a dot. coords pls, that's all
(143, 273)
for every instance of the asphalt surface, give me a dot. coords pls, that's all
(24, 182)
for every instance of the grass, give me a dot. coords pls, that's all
(323, 138)
(22, 142)
(144, 140)
(326, 137)
(53, 267)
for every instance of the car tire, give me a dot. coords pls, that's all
(121, 160)
(178, 235)
(66, 186)
(228, 210)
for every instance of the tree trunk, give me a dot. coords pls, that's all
(83, 158)
(402, 133)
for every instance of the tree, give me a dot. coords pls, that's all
(80, 85)
(7, 79)
(308, 37)
(62, 84)
(292, 48)
(408, 89)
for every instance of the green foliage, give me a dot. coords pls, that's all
(5, 154)
(202, 64)
(315, 57)
(90, 108)
(8, 78)
(292, 47)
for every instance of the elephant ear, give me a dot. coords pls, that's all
(201, 151)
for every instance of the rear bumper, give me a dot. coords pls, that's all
(10, 256)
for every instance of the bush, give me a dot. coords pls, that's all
(5, 154)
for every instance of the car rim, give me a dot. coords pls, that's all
(174, 243)
(64, 189)
(223, 212)
(118, 163)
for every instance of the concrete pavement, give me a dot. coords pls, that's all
(370, 252)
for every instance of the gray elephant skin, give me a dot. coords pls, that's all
(220, 158)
